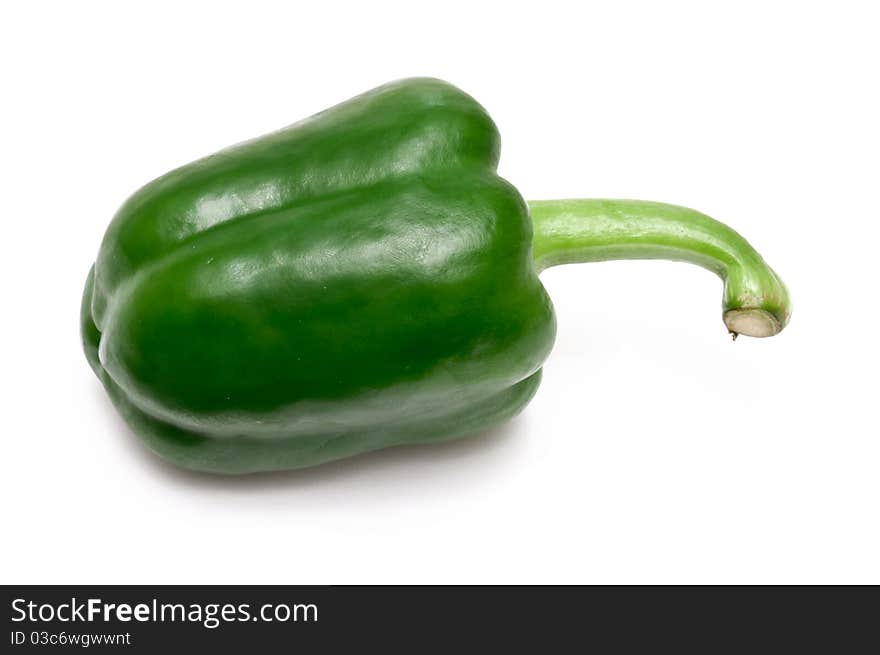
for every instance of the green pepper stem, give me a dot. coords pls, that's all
(755, 301)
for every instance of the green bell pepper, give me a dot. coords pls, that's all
(359, 280)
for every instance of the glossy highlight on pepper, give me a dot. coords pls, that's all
(359, 280)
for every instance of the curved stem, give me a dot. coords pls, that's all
(755, 303)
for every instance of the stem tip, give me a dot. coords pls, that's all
(751, 322)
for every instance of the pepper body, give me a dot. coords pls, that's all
(358, 280)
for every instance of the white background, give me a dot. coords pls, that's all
(656, 450)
